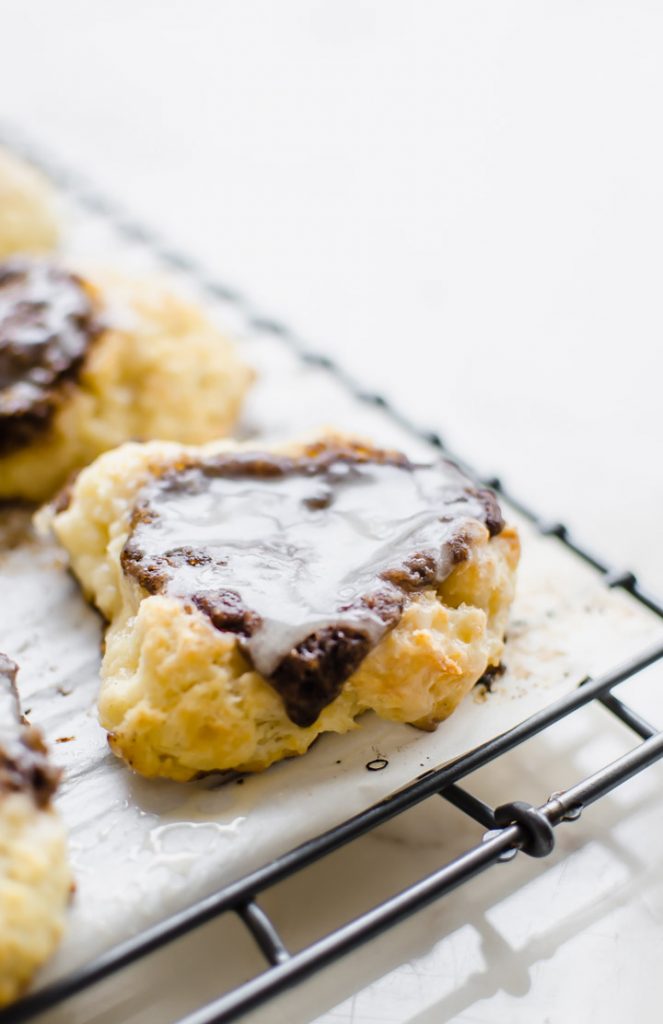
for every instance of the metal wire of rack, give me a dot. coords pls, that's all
(511, 827)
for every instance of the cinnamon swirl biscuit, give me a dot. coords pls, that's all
(259, 597)
(34, 876)
(85, 367)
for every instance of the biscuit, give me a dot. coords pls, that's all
(28, 221)
(208, 666)
(87, 366)
(35, 882)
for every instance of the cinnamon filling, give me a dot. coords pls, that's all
(47, 324)
(24, 765)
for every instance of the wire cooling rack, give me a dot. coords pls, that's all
(511, 827)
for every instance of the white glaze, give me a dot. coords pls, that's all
(302, 568)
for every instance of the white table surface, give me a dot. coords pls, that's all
(463, 202)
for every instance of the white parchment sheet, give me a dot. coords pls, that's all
(141, 849)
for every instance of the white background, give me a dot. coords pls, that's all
(463, 202)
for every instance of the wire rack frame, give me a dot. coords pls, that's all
(513, 826)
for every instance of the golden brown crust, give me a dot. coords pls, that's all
(35, 886)
(178, 697)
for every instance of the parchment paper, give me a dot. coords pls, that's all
(141, 849)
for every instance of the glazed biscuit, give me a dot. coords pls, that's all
(256, 599)
(35, 882)
(28, 221)
(87, 366)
